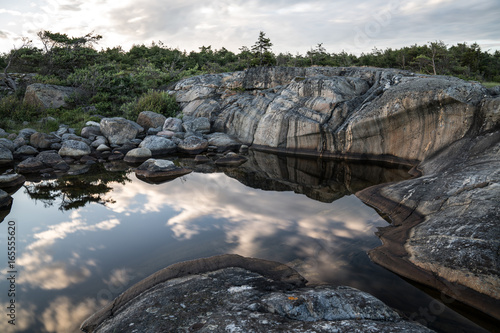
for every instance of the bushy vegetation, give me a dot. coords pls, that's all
(115, 82)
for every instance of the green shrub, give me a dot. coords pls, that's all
(156, 101)
(13, 108)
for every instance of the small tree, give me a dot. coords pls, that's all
(262, 48)
(8, 80)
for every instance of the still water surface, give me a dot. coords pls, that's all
(83, 240)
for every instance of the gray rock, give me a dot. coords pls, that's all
(193, 145)
(18, 142)
(3, 133)
(92, 123)
(451, 215)
(26, 134)
(149, 119)
(73, 148)
(200, 125)
(52, 159)
(72, 136)
(223, 142)
(159, 146)
(103, 147)
(242, 295)
(5, 203)
(25, 150)
(48, 95)
(159, 171)
(43, 140)
(119, 130)
(173, 124)
(6, 143)
(11, 180)
(138, 155)
(89, 131)
(63, 129)
(55, 146)
(6, 156)
(201, 159)
(100, 140)
(30, 165)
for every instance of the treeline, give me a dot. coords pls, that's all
(114, 78)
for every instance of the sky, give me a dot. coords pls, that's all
(294, 26)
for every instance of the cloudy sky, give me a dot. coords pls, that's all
(293, 26)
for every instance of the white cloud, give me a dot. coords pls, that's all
(293, 26)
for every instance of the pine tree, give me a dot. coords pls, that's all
(262, 47)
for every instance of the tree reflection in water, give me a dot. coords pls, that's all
(75, 191)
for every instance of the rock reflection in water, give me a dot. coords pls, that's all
(323, 180)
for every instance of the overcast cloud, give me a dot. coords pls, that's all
(293, 26)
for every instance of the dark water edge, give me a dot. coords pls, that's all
(270, 201)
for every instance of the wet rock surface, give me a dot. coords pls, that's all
(158, 171)
(238, 294)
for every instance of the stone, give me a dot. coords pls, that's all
(92, 123)
(193, 145)
(445, 223)
(18, 142)
(231, 160)
(48, 95)
(159, 146)
(243, 149)
(200, 125)
(159, 171)
(72, 136)
(26, 134)
(173, 124)
(55, 146)
(30, 165)
(63, 129)
(3, 133)
(6, 156)
(11, 181)
(25, 151)
(150, 119)
(73, 148)
(100, 140)
(42, 140)
(119, 130)
(102, 147)
(242, 295)
(89, 131)
(5, 204)
(223, 142)
(51, 159)
(138, 155)
(6, 143)
(166, 133)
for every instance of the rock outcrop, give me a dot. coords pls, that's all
(230, 293)
(446, 127)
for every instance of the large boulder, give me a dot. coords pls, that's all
(91, 131)
(13, 180)
(48, 95)
(6, 156)
(199, 125)
(223, 142)
(230, 293)
(193, 145)
(446, 223)
(150, 119)
(158, 145)
(43, 140)
(173, 124)
(6, 143)
(159, 171)
(138, 155)
(30, 165)
(74, 148)
(119, 130)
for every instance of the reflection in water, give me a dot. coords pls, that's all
(71, 262)
(75, 191)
